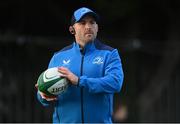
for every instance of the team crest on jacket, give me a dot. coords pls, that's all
(98, 60)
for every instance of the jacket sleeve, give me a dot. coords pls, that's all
(41, 100)
(112, 80)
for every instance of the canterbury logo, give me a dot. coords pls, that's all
(98, 60)
(66, 62)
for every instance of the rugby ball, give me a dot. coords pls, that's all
(51, 82)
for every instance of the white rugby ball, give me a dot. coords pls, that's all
(51, 82)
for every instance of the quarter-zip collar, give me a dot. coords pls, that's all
(89, 47)
(76, 47)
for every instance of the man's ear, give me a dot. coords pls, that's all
(71, 30)
(97, 27)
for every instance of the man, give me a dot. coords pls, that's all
(94, 71)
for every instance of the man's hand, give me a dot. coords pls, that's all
(69, 75)
(44, 96)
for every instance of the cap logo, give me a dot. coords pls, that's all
(84, 11)
(78, 14)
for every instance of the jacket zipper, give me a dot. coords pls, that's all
(82, 111)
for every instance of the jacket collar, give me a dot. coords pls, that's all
(89, 47)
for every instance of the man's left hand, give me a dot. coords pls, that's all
(69, 75)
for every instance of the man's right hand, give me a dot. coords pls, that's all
(44, 96)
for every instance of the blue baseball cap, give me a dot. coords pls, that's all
(82, 12)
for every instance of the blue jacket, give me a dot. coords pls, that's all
(100, 74)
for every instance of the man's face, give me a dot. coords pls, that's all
(86, 30)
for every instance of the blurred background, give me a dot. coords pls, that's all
(146, 33)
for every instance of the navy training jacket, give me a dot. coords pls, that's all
(100, 74)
